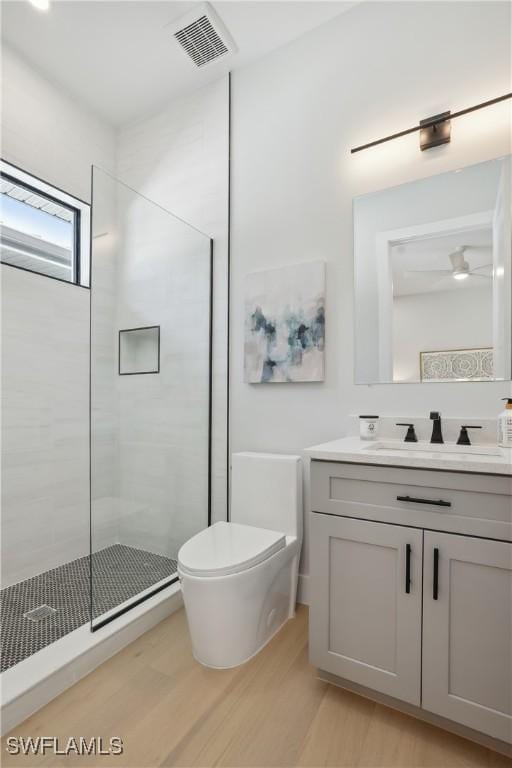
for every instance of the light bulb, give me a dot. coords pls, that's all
(460, 275)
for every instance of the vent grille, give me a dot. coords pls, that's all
(203, 36)
(201, 41)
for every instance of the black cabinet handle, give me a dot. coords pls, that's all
(408, 568)
(435, 584)
(432, 502)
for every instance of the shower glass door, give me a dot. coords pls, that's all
(151, 294)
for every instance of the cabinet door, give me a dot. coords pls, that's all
(365, 614)
(467, 632)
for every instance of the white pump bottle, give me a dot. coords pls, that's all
(505, 425)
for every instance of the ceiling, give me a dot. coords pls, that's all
(117, 58)
(408, 259)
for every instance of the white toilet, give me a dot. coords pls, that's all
(239, 579)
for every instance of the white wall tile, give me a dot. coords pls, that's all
(45, 341)
(47, 133)
(45, 456)
(180, 159)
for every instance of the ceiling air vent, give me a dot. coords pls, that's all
(203, 36)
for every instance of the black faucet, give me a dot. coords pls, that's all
(411, 434)
(437, 435)
(464, 437)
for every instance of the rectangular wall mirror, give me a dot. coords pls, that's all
(432, 268)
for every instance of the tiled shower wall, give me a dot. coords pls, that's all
(45, 341)
(45, 425)
(104, 375)
(47, 133)
(180, 159)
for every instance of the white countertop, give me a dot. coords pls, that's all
(386, 452)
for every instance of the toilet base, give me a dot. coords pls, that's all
(231, 618)
(240, 663)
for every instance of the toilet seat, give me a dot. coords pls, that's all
(228, 548)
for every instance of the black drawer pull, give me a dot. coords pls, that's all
(407, 568)
(432, 502)
(435, 584)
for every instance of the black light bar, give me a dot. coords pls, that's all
(432, 122)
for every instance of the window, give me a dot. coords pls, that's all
(43, 229)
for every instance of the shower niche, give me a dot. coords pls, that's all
(139, 350)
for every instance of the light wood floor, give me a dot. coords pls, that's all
(272, 712)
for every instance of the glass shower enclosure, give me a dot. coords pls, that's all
(151, 385)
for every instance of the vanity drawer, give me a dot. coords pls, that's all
(478, 505)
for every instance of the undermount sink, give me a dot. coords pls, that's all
(420, 447)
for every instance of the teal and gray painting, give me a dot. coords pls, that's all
(285, 324)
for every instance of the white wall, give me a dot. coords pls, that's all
(180, 159)
(425, 322)
(47, 133)
(45, 338)
(376, 69)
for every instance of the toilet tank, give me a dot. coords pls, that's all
(266, 491)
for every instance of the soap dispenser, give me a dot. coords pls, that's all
(505, 425)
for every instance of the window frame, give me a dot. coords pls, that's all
(82, 222)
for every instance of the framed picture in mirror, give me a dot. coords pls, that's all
(457, 365)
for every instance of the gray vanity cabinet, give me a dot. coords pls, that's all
(367, 606)
(467, 632)
(422, 611)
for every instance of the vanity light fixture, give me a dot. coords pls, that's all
(433, 130)
(41, 5)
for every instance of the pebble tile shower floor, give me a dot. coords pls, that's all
(120, 573)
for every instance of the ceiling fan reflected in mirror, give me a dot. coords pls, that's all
(460, 267)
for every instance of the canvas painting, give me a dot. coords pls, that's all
(285, 324)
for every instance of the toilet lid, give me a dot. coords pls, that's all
(226, 548)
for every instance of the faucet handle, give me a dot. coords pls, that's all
(464, 437)
(411, 434)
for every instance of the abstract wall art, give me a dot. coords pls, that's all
(285, 324)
